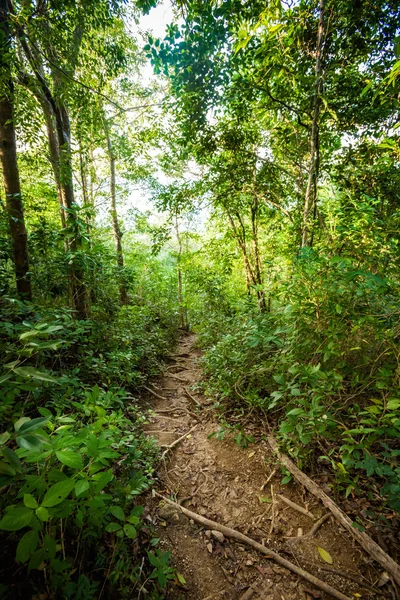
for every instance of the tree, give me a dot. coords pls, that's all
(8, 158)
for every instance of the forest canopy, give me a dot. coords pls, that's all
(237, 177)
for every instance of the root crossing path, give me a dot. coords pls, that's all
(241, 489)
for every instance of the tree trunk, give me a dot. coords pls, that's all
(63, 131)
(182, 314)
(54, 155)
(310, 203)
(8, 159)
(123, 294)
(241, 240)
(256, 250)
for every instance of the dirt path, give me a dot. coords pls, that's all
(220, 480)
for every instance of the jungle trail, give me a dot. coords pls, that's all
(200, 299)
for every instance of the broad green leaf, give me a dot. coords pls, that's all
(130, 531)
(6, 469)
(5, 377)
(117, 512)
(12, 458)
(70, 458)
(102, 480)
(4, 437)
(42, 513)
(113, 527)
(29, 442)
(58, 492)
(33, 373)
(30, 501)
(133, 519)
(27, 545)
(16, 519)
(181, 578)
(81, 487)
(326, 557)
(393, 404)
(32, 425)
(20, 422)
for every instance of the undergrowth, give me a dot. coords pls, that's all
(74, 462)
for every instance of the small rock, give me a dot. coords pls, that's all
(218, 536)
(168, 512)
(208, 534)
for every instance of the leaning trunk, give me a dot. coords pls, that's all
(123, 294)
(78, 289)
(310, 203)
(8, 159)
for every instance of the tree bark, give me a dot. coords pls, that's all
(310, 203)
(8, 159)
(123, 294)
(182, 315)
(63, 132)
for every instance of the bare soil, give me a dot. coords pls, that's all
(224, 482)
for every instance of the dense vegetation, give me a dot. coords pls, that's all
(268, 145)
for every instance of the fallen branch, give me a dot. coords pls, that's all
(295, 506)
(177, 377)
(250, 592)
(176, 442)
(363, 539)
(236, 535)
(318, 524)
(268, 480)
(154, 393)
(192, 397)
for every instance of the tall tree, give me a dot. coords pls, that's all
(8, 158)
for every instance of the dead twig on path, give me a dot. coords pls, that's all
(313, 530)
(154, 393)
(268, 480)
(271, 530)
(240, 537)
(176, 442)
(295, 506)
(192, 397)
(177, 377)
(249, 593)
(362, 538)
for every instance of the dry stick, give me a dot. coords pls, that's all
(250, 592)
(154, 393)
(176, 377)
(313, 530)
(240, 537)
(268, 480)
(191, 397)
(364, 540)
(318, 524)
(295, 506)
(176, 442)
(273, 511)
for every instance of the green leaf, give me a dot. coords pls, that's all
(4, 437)
(58, 492)
(13, 459)
(117, 512)
(70, 458)
(20, 422)
(181, 579)
(81, 487)
(7, 469)
(33, 373)
(102, 480)
(326, 557)
(113, 527)
(154, 561)
(27, 545)
(16, 519)
(32, 425)
(130, 531)
(133, 519)
(5, 377)
(42, 513)
(393, 404)
(30, 501)
(29, 442)
(295, 411)
(37, 558)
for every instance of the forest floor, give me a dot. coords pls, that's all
(224, 482)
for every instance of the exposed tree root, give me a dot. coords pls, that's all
(364, 540)
(236, 535)
(295, 506)
(176, 442)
